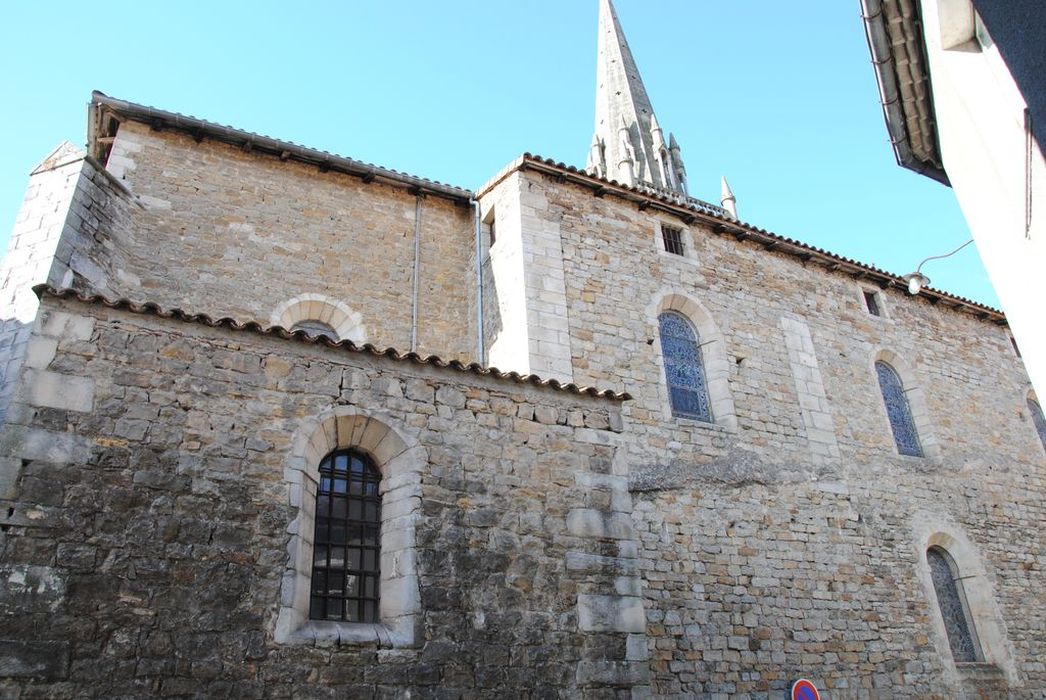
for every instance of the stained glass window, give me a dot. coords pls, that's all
(1038, 419)
(950, 599)
(904, 433)
(347, 542)
(684, 371)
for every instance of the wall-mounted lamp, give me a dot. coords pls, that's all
(917, 280)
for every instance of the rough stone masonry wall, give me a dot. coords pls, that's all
(145, 550)
(788, 544)
(233, 233)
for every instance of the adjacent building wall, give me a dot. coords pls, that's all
(995, 166)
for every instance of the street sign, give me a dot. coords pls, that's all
(803, 689)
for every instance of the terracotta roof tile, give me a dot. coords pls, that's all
(152, 309)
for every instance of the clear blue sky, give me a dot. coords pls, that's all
(779, 97)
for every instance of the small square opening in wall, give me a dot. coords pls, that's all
(873, 303)
(672, 238)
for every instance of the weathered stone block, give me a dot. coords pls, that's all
(604, 613)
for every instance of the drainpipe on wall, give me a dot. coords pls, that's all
(480, 345)
(417, 274)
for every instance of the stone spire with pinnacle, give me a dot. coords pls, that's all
(629, 145)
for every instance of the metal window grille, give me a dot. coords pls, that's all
(673, 239)
(684, 369)
(347, 540)
(952, 603)
(1040, 421)
(905, 435)
(872, 302)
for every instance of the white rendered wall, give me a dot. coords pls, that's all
(980, 119)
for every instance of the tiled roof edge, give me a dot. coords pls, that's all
(743, 231)
(885, 56)
(153, 309)
(199, 128)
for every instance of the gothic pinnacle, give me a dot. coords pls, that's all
(728, 200)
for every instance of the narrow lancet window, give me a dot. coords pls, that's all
(684, 369)
(952, 602)
(347, 542)
(1040, 421)
(905, 435)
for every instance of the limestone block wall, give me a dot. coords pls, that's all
(67, 233)
(238, 234)
(528, 268)
(147, 546)
(792, 397)
(750, 587)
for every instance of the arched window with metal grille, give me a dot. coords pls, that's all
(347, 539)
(905, 436)
(1038, 419)
(684, 368)
(951, 600)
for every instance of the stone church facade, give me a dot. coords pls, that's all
(255, 444)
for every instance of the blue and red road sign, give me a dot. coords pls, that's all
(803, 689)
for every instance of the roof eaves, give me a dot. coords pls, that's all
(884, 63)
(743, 231)
(153, 309)
(286, 150)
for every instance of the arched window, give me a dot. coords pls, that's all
(347, 539)
(1038, 419)
(951, 600)
(684, 370)
(315, 328)
(897, 409)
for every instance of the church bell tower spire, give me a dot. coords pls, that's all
(631, 144)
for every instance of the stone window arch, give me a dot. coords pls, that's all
(903, 406)
(1037, 417)
(712, 355)
(939, 541)
(400, 460)
(316, 314)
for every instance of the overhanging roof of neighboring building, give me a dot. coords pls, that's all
(103, 108)
(690, 210)
(895, 39)
(152, 309)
